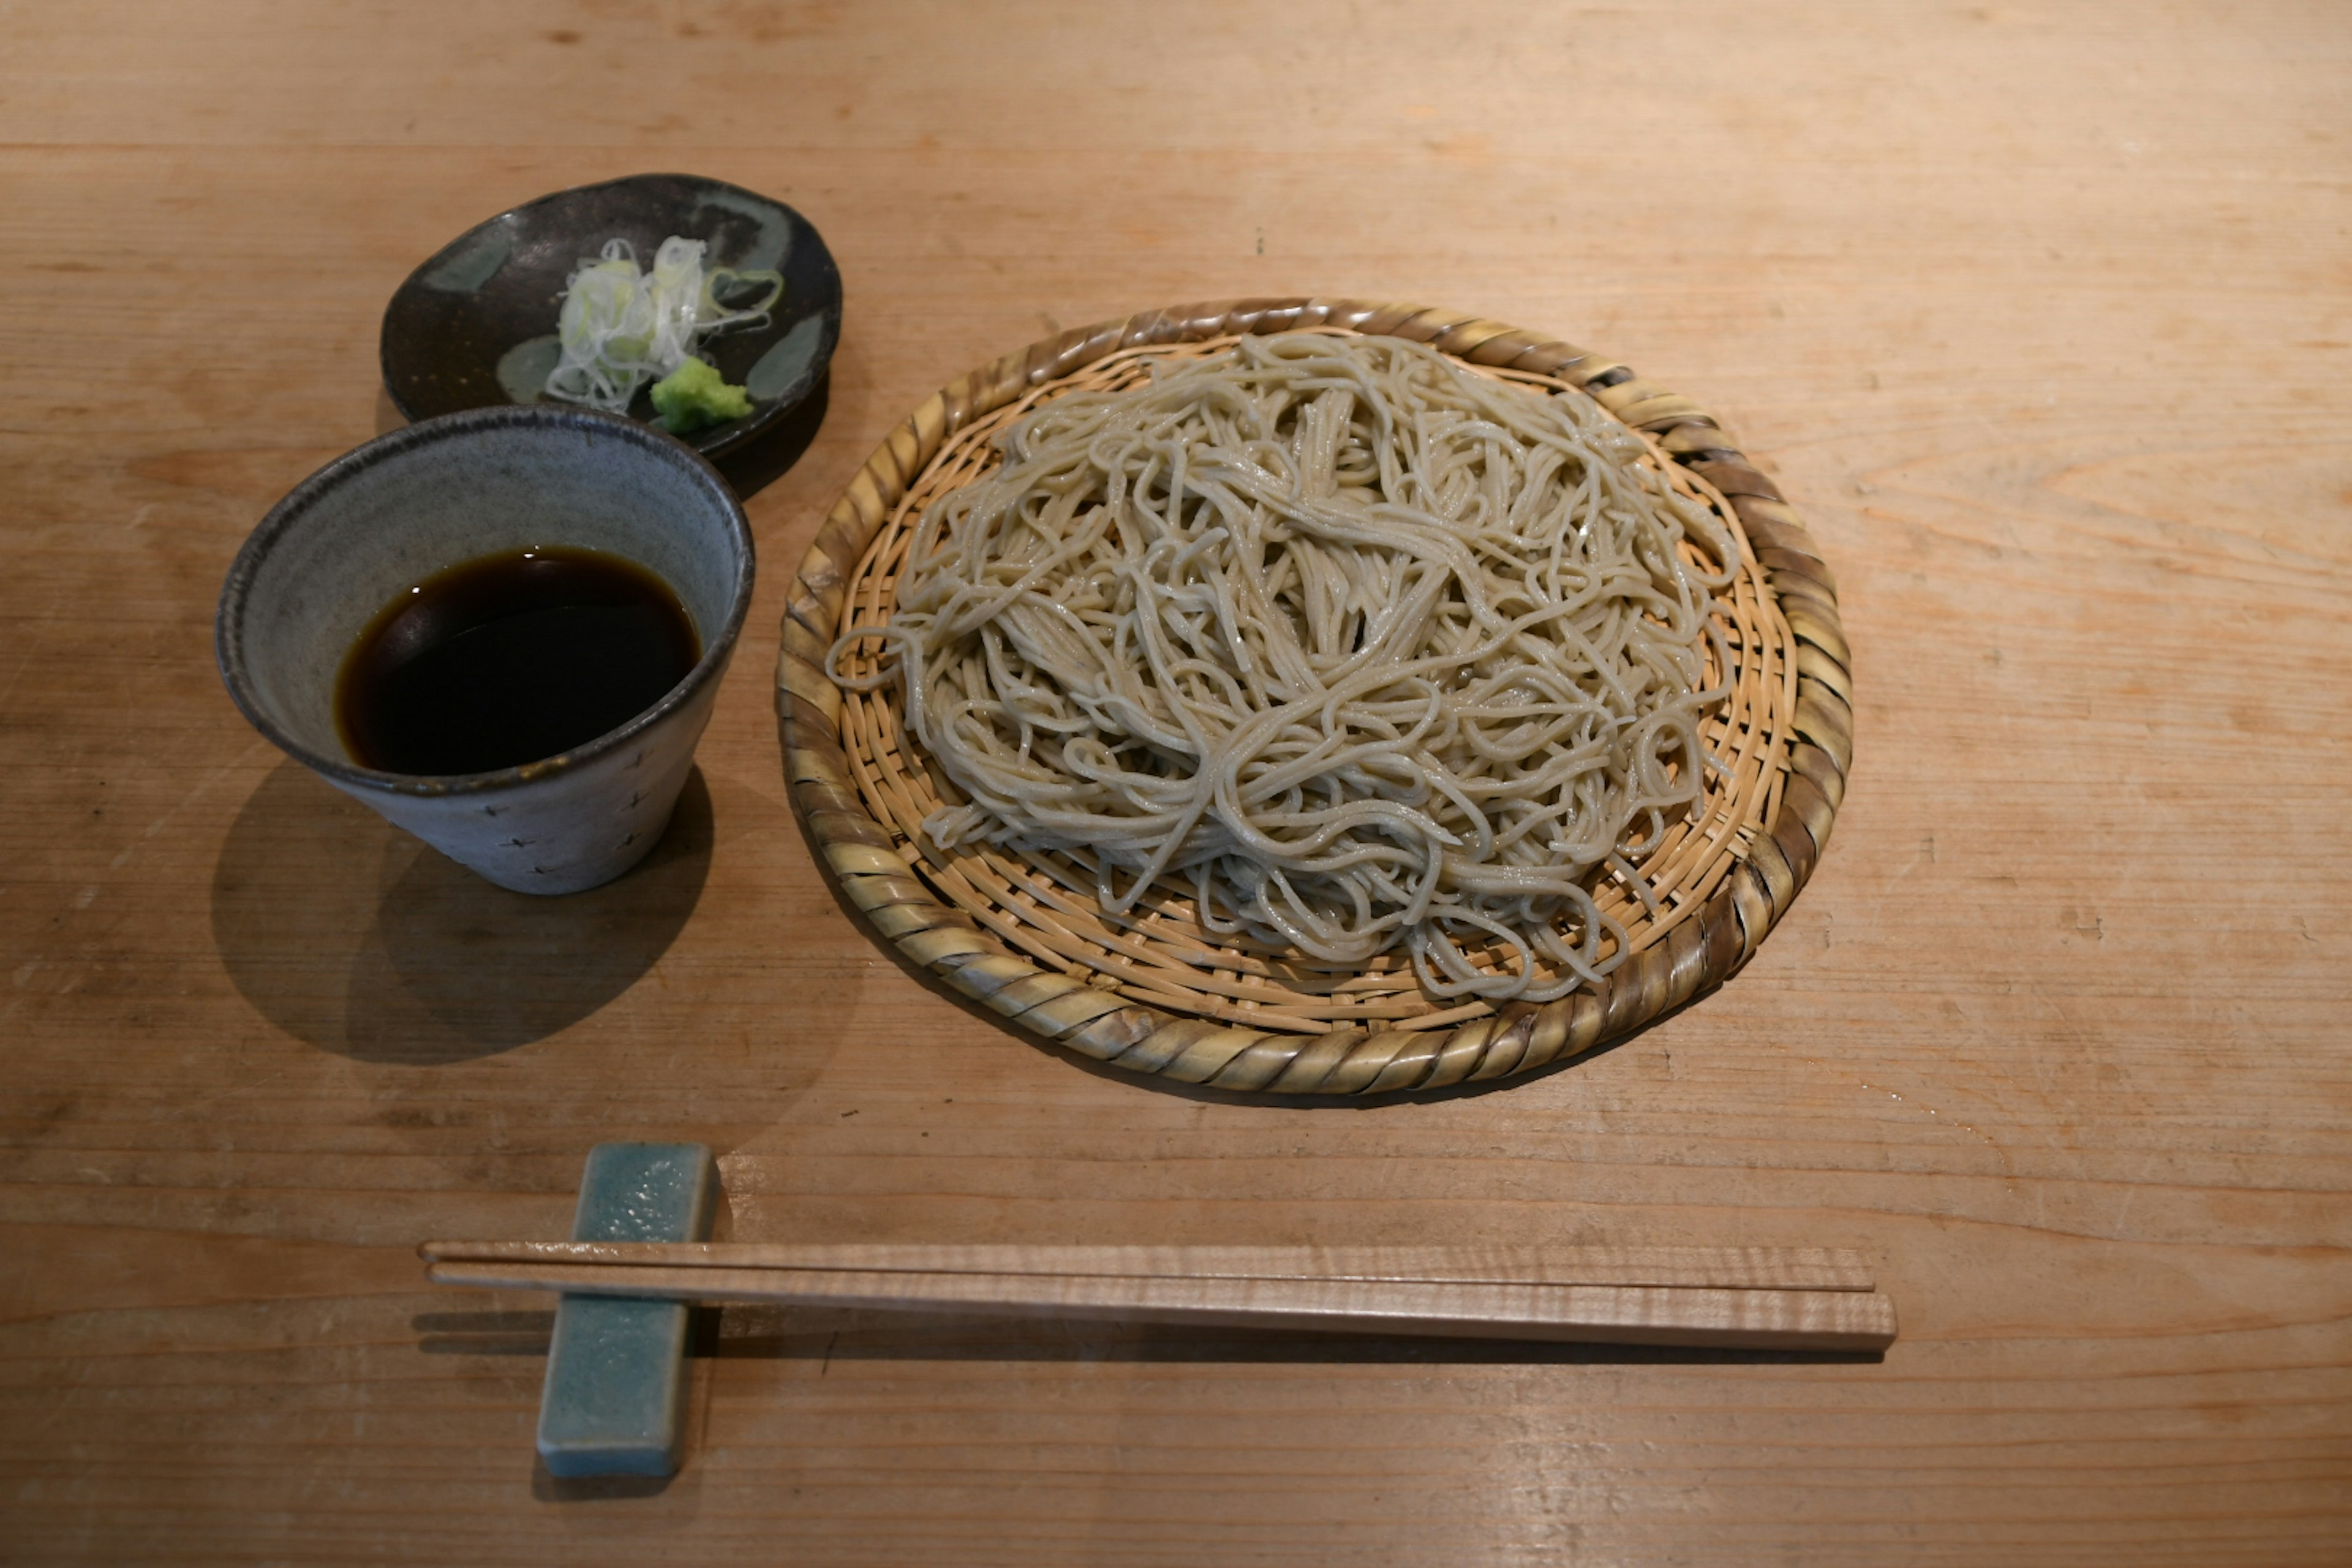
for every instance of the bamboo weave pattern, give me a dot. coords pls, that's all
(1150, 993)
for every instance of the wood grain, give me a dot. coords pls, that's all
(1832, 1321)
(2040, 315)
(1728, 1267)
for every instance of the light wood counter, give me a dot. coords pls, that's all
(2039, 313)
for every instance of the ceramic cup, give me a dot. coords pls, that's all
(376, 521)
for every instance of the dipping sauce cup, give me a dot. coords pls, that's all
(381, 518)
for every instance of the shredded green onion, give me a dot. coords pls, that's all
(622, 328)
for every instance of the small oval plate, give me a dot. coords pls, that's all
(474, 327)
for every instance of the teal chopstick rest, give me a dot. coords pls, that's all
(614, 1403)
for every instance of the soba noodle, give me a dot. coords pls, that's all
(1363, 648)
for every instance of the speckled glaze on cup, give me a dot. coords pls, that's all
(377, 519)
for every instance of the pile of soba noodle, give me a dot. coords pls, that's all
(1363, 649)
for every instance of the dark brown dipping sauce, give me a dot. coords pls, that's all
(511, 658)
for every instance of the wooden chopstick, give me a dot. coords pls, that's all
(1775, 1318)
(1724, 1268)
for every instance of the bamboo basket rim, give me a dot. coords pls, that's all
(1022, 935)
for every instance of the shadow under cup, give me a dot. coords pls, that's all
(364, 528)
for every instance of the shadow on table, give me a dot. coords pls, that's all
(828, 1335)
(546, 1488)
(352, 936)
(484, 1334)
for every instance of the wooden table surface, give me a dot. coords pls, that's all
(2039, 312)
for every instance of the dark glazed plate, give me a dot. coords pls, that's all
(474, 327)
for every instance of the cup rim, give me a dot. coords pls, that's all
(228, 648)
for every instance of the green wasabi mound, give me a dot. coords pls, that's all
(693, 395)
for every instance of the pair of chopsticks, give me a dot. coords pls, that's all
(1752, 1298)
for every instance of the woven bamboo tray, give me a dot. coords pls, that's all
(1152, 993)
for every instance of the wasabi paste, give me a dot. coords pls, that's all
(694, 395)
